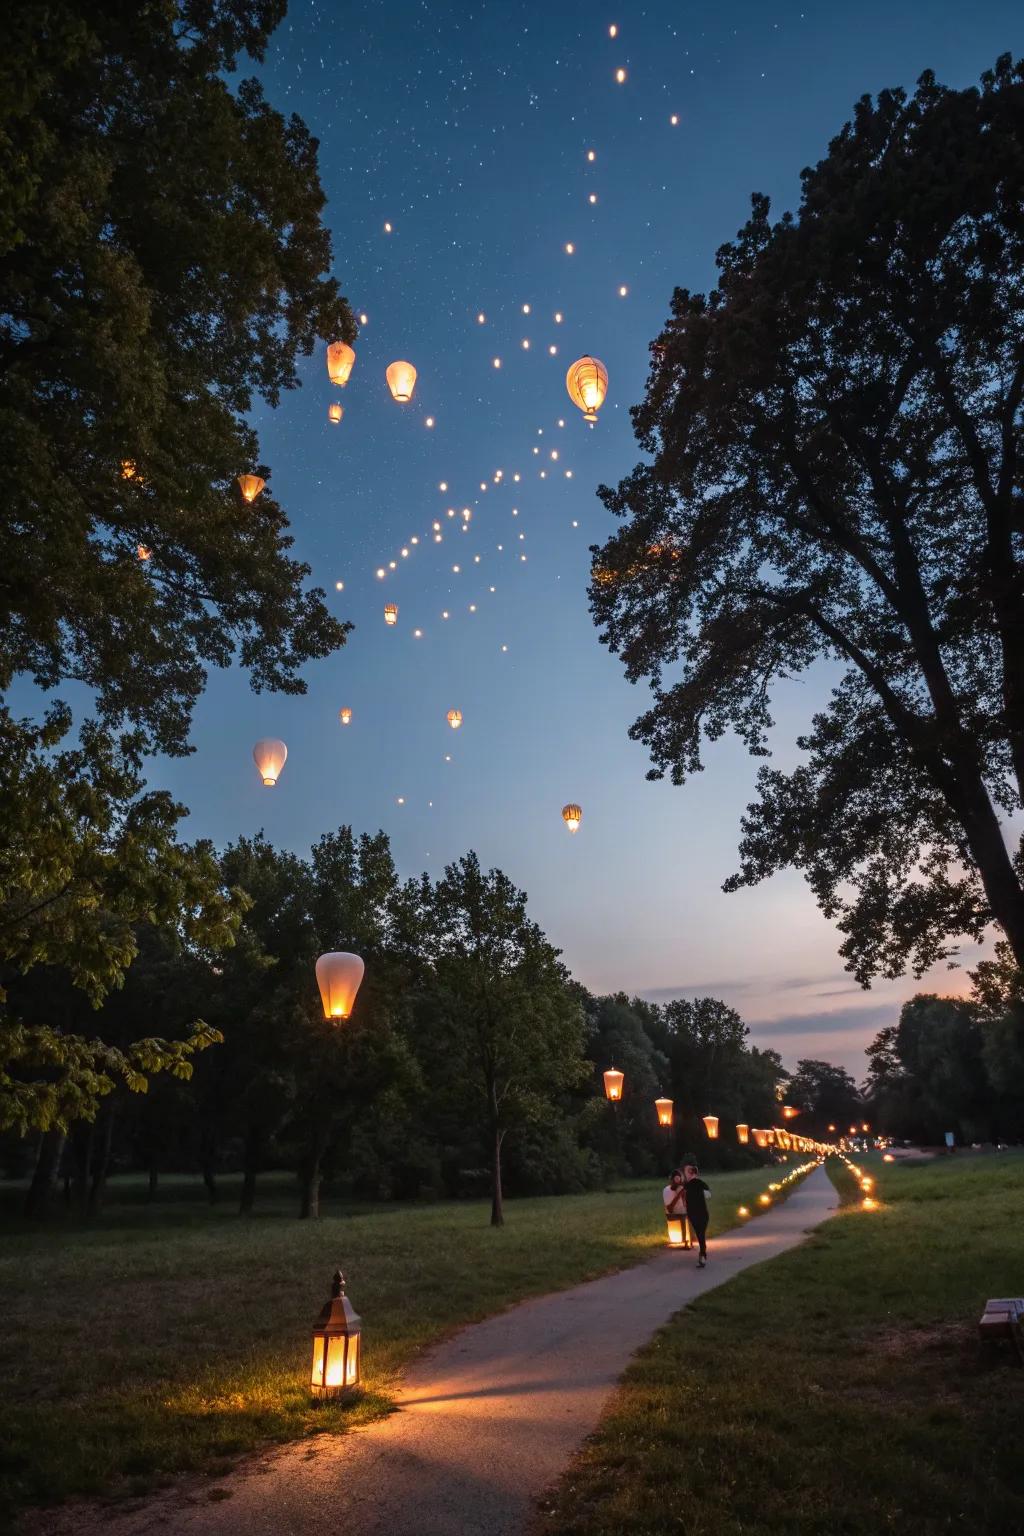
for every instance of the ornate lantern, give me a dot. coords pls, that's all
(664, 1109)
(337, 1335)
(270, 756)
(401, 379)
(390, 613)
(711, 1126)
(340, 358)
(339, 975)
(572, 815)
(335, 412)
(455, 718)
(742, 1134)
(587, 384)
(250, 486)
(613, 1080)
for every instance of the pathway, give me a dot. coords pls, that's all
(487, 1419)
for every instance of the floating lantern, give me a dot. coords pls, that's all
(270, 756)
(390, 613)
(336, 1345)
(143, 552)
(340, 358)
(345, 716)
(742, 1134)
(711, 1126)
(401, 379)
(250, 486)
(455, 718)
(613, 1080)
(572, 815)
(587, 384)
(664, 1110)
(338, 975)
(335, 412)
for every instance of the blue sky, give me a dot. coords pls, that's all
(466, 128)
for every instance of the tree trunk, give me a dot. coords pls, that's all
(44, 1175)
(82, 1138)
(309, 1209)
(101, 1163)
(253, 1149)
(497, 1208)
(208, 1163)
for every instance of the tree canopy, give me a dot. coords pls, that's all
(836, 475)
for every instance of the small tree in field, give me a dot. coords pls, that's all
(837, 472)
(510, 1029)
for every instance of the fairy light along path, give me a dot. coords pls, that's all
(486, 1421)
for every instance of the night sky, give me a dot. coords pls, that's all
(466, 128)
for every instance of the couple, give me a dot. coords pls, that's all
(686, 1199)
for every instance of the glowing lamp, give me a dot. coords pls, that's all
(743, 1210)
(143, 552)
(742, 1134)
(788, 1112)
(832, 1129)
(334, 412)
(677, 1233)
(270, 756)
(664, 1110)
(764, 1199)
(390, 613)
(865, 1127)
(340, 358)
(345, 716)
(867, 1204)
(887, 1157)
(250, 486)
(613, 1080)
(336, 1345)
(338, 975)
(572, 815)
(401, 379)
(455, 718)
(587, 384)
(761, 1138)
(711, 1126)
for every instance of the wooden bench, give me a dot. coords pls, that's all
(1003, 1318)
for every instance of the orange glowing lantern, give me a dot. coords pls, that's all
(340, 358)
(742, 1134)
(339, 976)
(455, 718)
(711, 1126)
(677, 1234)
(390, 613)
(664, 1111)
(345, 715)
(335, 412)
(401, 379)
(788, 1112)
(572, 815)
(887, 1157)
(587, 384)
(250, 486)
(143, 552)
(613, 1080)
(337, 1335)
(270, 756)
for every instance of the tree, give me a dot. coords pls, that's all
(826, 1093)
(837, 476)
(512, 1030)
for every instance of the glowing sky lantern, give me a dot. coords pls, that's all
(663, 1108)
(455, 718)
(742, 1134)
(789, 1112)
(401, 377)
(587, 384)
(340, 359)
(345, 716)
(613, 1080)
(250, 486)
(572, 815)
(270, 756)
(390, 613)
(711, 1126)
(335, 412)
(338, 975)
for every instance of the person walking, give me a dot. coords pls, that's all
(696, 1194)
(674, 1196)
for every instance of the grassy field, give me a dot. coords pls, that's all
(176, 1336)
(839, 1391)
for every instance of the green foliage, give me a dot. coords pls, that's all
(836, 473)
(827, 1094)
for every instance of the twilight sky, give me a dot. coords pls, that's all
(466, 127)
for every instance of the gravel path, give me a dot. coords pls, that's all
(487, 1419)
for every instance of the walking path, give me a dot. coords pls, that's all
(487, 1419)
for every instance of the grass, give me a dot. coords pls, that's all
(175, 1336)
(839, 1391)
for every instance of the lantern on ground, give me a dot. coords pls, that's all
(345, 716)
(677, 1232)
(887, 1157)
(664, 1111)
(455, 718)
(587, 384)
(250, 486)
(613, 1080)
(743, 1210)
(270, 756)
(711, 1126)
(742, 1134)
(338, 975)
(334, 412)
(401, 379)
(572, 815)
(337, 1335)
(390, 613)
(340, 358)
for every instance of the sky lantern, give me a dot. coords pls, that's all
(250, 486)
(338, 976)
(613, 1080)
(587, 384)
(664, 1110)
(340, 358)
(742, 1134)
(270, 756)
(761, 1138)
(390, 613)
(711, 1126)
(337, 1334)
(572, 815)
(789, 1112)
(455, 718)
(345, 715)
(335, 412)
(401, 379)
